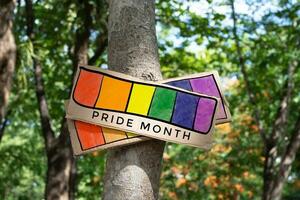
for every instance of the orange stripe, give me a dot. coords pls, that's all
(114, 94)
(112, 135)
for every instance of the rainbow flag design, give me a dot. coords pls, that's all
(187, 110)
(170, 105)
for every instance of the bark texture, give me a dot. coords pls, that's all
(7, 56)
(133, 172)
(286, 164)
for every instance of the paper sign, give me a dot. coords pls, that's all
(85, 140)
(121, 102)
(86, 137)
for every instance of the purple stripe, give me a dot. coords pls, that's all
(207, 85)
(204, 115)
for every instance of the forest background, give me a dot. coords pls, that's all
(253, 44)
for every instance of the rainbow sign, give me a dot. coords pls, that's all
(187, 110)
(126, 104)
(88, 137)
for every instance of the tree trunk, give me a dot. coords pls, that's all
(61, 172)
(133, 172)
(61, 163)
(285, 164)
(268, 173)
(7, 56)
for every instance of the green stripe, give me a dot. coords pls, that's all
(162, 104)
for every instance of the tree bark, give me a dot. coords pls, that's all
(61, 168)
(7, 57)
(286, 163)
(272, 179)
(133, 172)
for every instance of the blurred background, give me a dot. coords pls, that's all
(253, 44)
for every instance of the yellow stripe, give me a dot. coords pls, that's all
(131, 135)
(140, 99)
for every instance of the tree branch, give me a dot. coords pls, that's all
(83, 35)
(242, 64)
(283, 110)
(29, 19)
(271, 145)
(4, 124)
(286, 161)
(291, 150)
(40, 91)
(101, 43)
